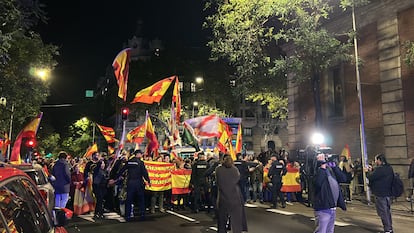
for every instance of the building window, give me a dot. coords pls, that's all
(247, 131)
(335, 93)
(193, 87)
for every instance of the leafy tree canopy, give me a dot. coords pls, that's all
(266, 39)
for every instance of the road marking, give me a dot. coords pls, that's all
(250, 205)
(213, 228)
(280, 211)
(338, 223)
(181, 216)
(87, 217)
(108, 216)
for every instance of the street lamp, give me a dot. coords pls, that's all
(41, 73)
(199, 80)
(195, 104)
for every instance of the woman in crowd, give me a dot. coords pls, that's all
(230, 201)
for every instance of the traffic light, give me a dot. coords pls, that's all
(30, 143)
(124, 113)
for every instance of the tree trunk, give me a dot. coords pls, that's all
(317, 99)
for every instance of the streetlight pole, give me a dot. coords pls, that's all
(10, 132)
(361, 110)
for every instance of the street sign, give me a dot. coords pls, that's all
(89, 93)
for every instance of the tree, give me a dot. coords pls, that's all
(21, 50)
(79, 138)
(265, 40)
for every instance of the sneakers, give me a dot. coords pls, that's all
(289, 203)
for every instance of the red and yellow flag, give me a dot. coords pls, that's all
(177, 100)
(137, 134)
(92, 149)
(239, 140)
(345, 152)
(224, 144)
(121, 71)
(290, 180)
(153, 93)
(28, 132)
(181, 181)
(152, 145)
(4, 143)
(108, 133)
(159, 174)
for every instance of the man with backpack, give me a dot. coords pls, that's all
(380, 181)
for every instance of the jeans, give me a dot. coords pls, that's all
(325, 220)
(257, 189)
(61, 199)
(383, 206)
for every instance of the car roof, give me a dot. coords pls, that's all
(8, 171)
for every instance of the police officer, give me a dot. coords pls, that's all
(244, 175)
(199, 181)
(135, 184)
(276, 171)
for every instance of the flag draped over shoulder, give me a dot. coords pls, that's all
(137, 134)
(108, 133)
(238, 148)
(153, 93)
(28, 132)
(205, 126)
(121, 71)
(159, 174)
(180, 180)
(189, 137)
(152, 145)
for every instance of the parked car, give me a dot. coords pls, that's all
(42, 181)
(22, 208)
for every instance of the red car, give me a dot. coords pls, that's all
(22, 208)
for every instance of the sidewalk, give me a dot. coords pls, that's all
(400, 206)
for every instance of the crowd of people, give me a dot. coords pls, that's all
(118, 184)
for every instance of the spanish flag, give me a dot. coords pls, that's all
(177, 100)
(121, 70)
(224, 144)
(180, 180)
(239, 140)
(137, 134)
(152, 138)
(28, 132)
(153, 93)
(92, 149)
(108, 133)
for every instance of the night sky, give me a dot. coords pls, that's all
(89, 35)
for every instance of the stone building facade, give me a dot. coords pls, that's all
(383, 26)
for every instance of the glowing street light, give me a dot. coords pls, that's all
(41, 73)
(199, 80)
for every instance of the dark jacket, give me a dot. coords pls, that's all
(323, 197)
(198, 174)
(61, 172)
(243, 169)
(380, 180)
(136, 172)
(276, 171)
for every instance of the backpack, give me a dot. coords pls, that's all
(397, 186)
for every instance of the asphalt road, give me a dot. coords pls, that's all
(296, 218)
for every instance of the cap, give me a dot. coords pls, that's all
(137, 152)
